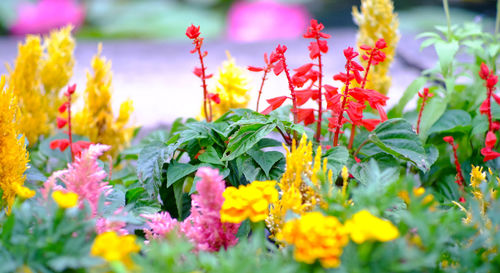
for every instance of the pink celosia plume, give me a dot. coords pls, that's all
(84, 177)
(106, 224)
(203, 227)
(44, 15)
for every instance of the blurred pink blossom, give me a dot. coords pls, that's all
(108, 224)
(44, 15)
(266, 20)
(159, 225)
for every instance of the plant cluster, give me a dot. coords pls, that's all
(332, 182)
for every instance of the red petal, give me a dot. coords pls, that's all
(306, 115)
(489, 154)
(278, 67)
(491, 139)
(63, 107)
(54, 144)
(381, 44)
(302, 96)
(449, 139)
(497, 98)
(71, 89)
(275, 103)
(381, 112)
(303, 69)
(61, 122)
(485, 107)
(370, 124)
(214, 97)
(255, 69)
(484, 71)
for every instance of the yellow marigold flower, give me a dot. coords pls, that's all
(97, 121)
(232, 87)
(378, 20)
(24, 192)
(14, 157)
(248, 201)
(363, 226)
(65, 200)
(296, 194)
(113, 247)
(316, 237)
(477, 176)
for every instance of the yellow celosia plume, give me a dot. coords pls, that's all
(14, 158)
(296, 194)
(39, 73)
(378, 20)
(97, 121)
(232, 87)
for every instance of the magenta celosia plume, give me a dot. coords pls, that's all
(203, 227)
(84, 177)
(44, 15)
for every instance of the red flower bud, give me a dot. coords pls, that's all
(491, 139)
(63, 107)
(484, 71)
(381, 44)
(61, 122)
(449, 139)
(193, 32)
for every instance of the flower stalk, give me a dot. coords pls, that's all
(425, 95)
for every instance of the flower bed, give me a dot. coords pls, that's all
(322, 178)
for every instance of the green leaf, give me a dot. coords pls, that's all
(210, 156)
(266, 160)
(176, 171)
(409, 93)
(452, 121)
(396, 137)
(34, 174)
(150, 164)
(245, 139)
(369, 173)
(178, 193)
(337, 158)
(446, 52)
(433, 110)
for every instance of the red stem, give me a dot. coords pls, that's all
(261, 87)
(320, 96)
(342, 109)
(292, 90)
(363, 83)
(457, 166)
(70, 135)
(208, 115)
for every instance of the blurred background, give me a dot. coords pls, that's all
(238, 20)
(145, 39)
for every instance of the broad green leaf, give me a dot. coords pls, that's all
(210, 156)
(433, 110)
(266, 160)
(337, 158)
(245, 139)
(178, 193)
(409, 93)
(369, 173)
(150, 164)
(432, 154)
(176, 171)
(396, 137)
(446, 52)
(33, 174)
(452, 121)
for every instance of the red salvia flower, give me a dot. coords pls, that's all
(61, 122)
(425, 95)
(459, 178)
(490, 80)
(193, 32)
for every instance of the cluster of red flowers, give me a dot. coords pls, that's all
(77, 147)
(307, 83)
(491, 139)
(193, 33)
(353, 100)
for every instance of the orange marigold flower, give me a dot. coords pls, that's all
(316, 237)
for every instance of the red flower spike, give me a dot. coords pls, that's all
(61, 122)
(197, 71)
(491, 140)
(460, 180)
(491, 81)
(214, 97)
(425, 95)
(193, 32)
(495, 126)
(484, 71)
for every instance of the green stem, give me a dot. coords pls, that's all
(448, 20)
